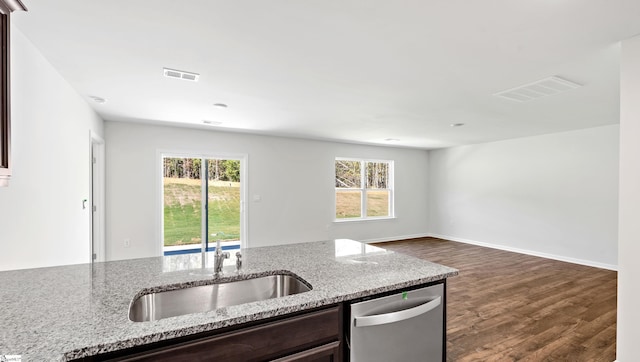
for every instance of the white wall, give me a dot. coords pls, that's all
(629, 226)
(294, 177)
(41, 218)
(553, 195)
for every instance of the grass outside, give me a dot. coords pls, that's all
(182, 211)
(348, 203)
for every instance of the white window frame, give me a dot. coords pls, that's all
(363, 190)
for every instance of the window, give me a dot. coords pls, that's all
(364, 189)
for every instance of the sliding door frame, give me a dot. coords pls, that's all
(244, 212)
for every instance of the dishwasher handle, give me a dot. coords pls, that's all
(379, 319)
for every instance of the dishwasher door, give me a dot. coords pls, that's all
(406, 327)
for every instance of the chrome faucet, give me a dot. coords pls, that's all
(219, 257)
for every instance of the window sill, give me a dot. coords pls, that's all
(369, 219)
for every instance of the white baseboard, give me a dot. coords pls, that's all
(530, 252)
(396, 238)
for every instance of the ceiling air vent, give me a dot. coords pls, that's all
(542, 88)
(180, 74)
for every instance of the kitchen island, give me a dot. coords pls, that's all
(78, 311)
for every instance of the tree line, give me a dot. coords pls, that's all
(217, 170)
(349, 174)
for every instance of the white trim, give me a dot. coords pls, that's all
(204, 202)
(244, 185)
(360, 219)
(98, 217)
(529, 252)
(159, 203)
(244, 196)
(396, 238)
(392, 189)
(376, 160)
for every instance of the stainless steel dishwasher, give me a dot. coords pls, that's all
(403, 327)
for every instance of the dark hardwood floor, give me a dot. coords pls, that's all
(512, 307)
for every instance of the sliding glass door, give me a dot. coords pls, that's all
(224, 202)
(202, 202)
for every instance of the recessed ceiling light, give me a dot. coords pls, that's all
(391, 140)
(180, 74)
(457, 124)
(220, 105)
(211, 123)
(98, 100)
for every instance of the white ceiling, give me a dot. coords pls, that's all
(350, 70)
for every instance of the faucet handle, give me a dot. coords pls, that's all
(238, 260)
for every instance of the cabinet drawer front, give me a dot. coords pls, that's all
(328, 352)
(259, 343)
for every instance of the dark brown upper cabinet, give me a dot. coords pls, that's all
(6, 8)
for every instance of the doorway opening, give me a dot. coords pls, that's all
(202, 202)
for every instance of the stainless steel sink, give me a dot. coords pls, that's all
(204, 298)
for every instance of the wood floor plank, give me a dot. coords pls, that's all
(513, 307)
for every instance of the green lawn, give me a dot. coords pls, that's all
(182, 211)
(348, 203)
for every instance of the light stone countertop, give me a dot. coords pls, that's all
(67, 312)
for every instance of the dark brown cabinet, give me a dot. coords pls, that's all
(313, 336)
(329, 352)
(5, 120)
(6, 8)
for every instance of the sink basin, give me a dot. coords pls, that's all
(204, 298)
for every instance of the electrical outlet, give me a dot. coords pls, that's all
(127, 243)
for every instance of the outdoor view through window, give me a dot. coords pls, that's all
(363, 188)
(184, 195)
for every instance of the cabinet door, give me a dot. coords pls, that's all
(329, 352)
(5, 118)
(260, 343)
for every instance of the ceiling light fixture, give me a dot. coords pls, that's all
(98, 100)
(211, 123)
(180, 74)
(538, 89)
(457, 124)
